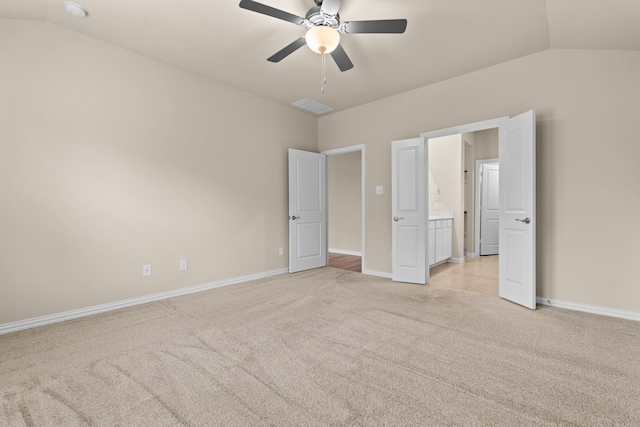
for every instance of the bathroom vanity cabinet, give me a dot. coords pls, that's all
(440, 238)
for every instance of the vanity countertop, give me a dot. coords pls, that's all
(440, 215)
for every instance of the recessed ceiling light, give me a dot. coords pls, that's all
(75, 9)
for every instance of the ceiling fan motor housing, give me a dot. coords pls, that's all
(316, 17)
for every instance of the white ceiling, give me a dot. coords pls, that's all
(444, 39)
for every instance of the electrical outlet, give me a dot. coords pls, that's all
(379, 189)
(146, 270)
(183, 265)
(281, 251)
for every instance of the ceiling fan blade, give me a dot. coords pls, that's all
(388, 26)
(287, 50)
(341, 58)
(331, 7)
(271, 11)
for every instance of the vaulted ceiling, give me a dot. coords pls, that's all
(444, 39)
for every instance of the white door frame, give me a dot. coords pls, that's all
(474, 127)
(470, 127)
(476, 213)
(351, 149)
(454, 130)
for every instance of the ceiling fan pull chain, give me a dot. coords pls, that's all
(323, 79)
(324, 73)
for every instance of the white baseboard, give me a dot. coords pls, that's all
(604, 311)
(82, 312)
(344, 252)
(456, 260)
(622, 314)
(377, 273)
(74, 314)
(471, 255)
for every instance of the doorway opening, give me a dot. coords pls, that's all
(477, 274)
(346, 201)
(517, 230)
(456, 188)
(448, 274)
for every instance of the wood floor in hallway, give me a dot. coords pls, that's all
(478, 274)
(345, 262)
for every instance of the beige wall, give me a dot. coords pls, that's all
(110, 160)
(587, 104)
(345, 201)
(445, 184)
(486, 144)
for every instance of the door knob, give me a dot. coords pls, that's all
(526, 220)
(294, 217)
(395, 218)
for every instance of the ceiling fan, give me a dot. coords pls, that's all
(324, 28)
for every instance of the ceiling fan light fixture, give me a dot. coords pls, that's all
(322, 39)
(75, 9)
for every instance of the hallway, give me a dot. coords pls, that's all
(345, 262)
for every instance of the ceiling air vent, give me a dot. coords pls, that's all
(313, 106)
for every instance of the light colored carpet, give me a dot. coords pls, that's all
(325, 347)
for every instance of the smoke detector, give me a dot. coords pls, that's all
(75, 9)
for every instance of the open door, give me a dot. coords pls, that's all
(409, 211)
(307, 210)
(489, 209)
(518, 209)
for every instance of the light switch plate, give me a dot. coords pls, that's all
(379, 189)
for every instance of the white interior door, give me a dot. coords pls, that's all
(409, 215)
(518, 209)
(489, 209)
(307, 210)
